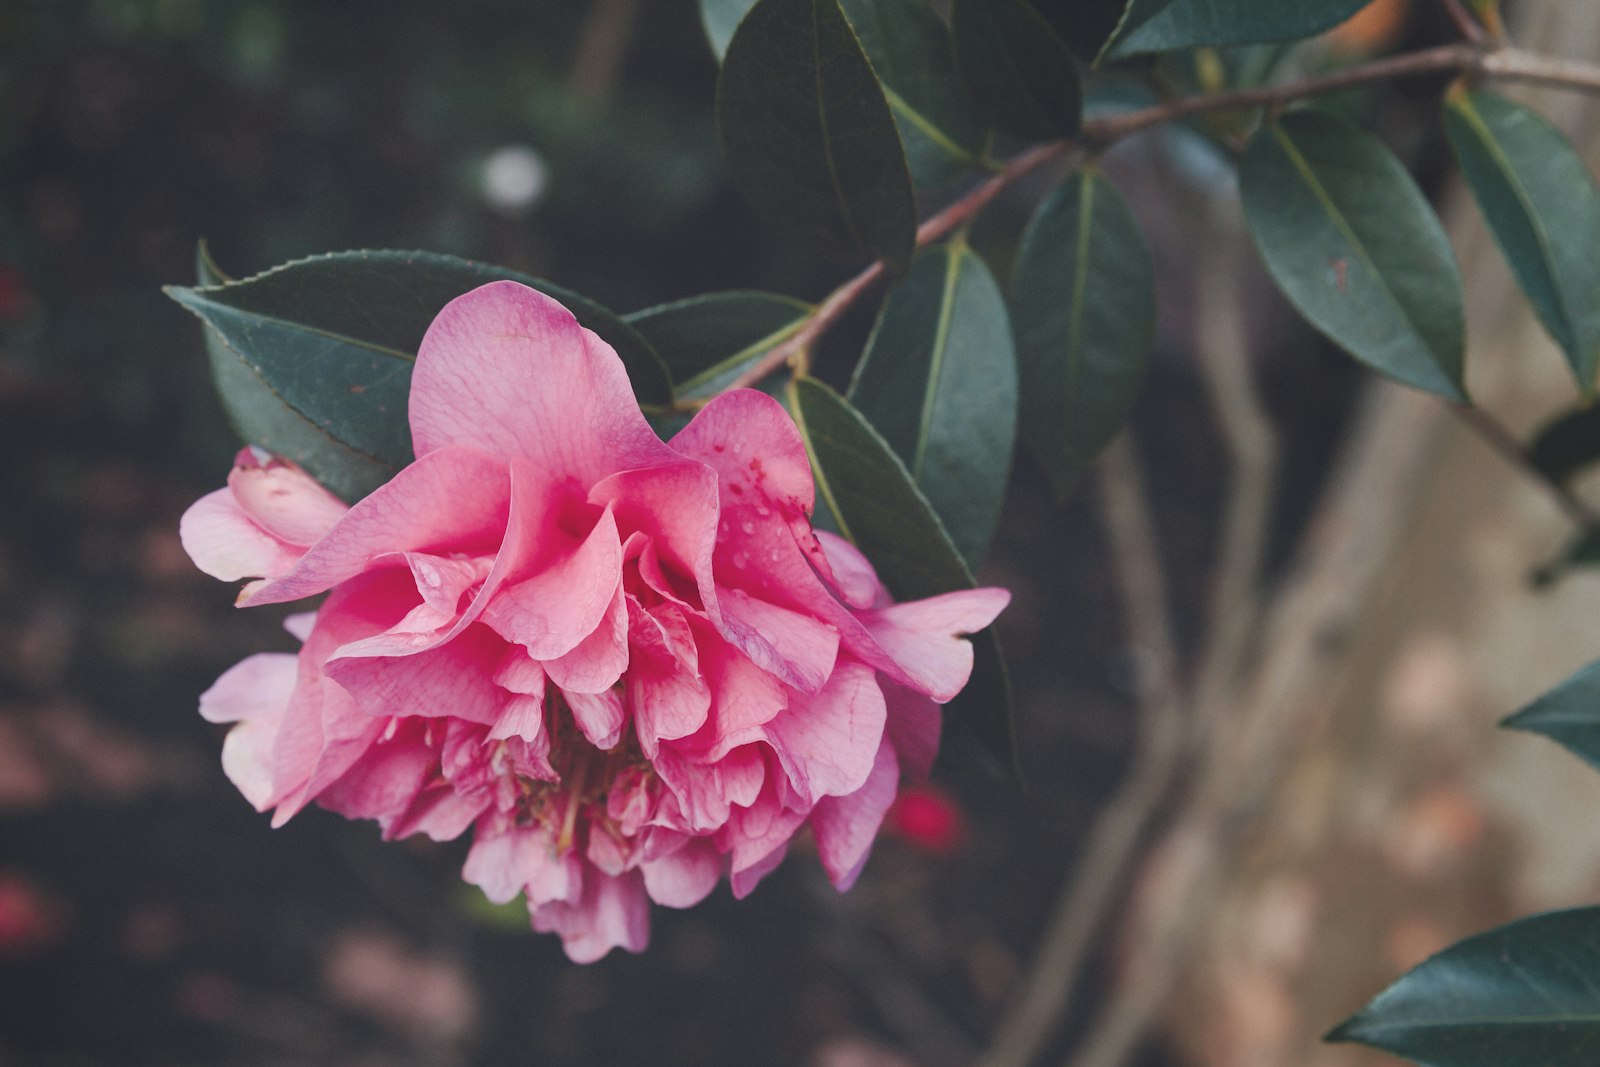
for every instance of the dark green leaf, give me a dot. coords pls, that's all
(1083, 296)
(708, 341)
(939, 382)
(313, 359)
(809, 134)
(1568, 714)
(878, 507)
(909, 48)
(1567, 444)
(1526, 993)
(1084, 25)
(720, 18)
(1019, 70)
(1165, 25)
(1540, 202)
(1352, 242)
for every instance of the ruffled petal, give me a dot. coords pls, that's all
(599, 660)
(614, 912)
(826, 743)
(451, 500)
(550, 612)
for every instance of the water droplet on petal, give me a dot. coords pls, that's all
(741, 560)
(773, 555)
(748, 527)
(763, 510)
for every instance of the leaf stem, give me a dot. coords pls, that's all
(1481, 58)
(1492, 432)
(1469, 26)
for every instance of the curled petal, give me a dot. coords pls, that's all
(927, 638)
(683, 878)
(260, 685)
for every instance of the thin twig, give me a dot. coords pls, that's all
(956, 214)
(1235, 403)
(1096, 134)
(1081, 914)
(1469, 27)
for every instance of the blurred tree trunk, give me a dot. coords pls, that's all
(1404, 820)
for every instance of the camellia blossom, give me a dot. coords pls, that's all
(630, 667)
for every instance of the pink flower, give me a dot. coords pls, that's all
(629, 666)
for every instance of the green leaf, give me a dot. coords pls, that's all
(708, 341)
(1526, 993)
(1540, 202)
(1569, 714)
(720, 18)
(909, 48)
(1353, 244)
(313, 359)
(1020, 72)
(1166, 25)
(1567, 444)
(878, 507)
(809, 134)
(1083, 297)
(939, 382)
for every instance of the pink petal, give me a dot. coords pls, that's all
(520, 673)
(927, 638)
(675, 506)
(226, 543)
(826, 743)
(552, 611)
(508, 370)
(283, 500)
(753, 445)
(852, 577)
(522, 716)
(598, 715)
(507, 863)
(451, 500)
(300, 623)
(247, 754)
(440, 812)
(599, 660)
(745, 698)
(682, 878)
(259, 685)
(386, 677)
(614, 912)
(845, 827)
(384, 782)
(665, 692)
(793, 646)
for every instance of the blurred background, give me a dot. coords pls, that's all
(148, 916)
